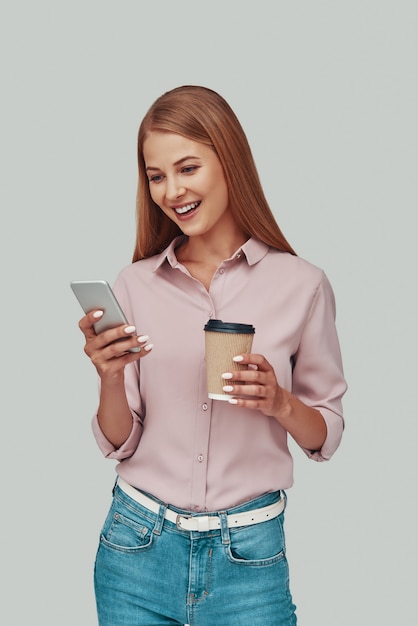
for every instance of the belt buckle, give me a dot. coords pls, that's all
(178, 521)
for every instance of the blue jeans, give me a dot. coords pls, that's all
(149, 573)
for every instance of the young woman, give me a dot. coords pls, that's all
(195, 529)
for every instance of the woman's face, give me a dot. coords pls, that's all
(187, 182)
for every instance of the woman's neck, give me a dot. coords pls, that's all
(211, 251)
(202, 257)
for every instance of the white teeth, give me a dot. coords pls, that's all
(186, 208)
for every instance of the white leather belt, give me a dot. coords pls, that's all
(204, 523)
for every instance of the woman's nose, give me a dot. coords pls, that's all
(174, 189)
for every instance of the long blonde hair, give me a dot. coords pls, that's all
(202, 115)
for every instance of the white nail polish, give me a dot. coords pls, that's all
(228, 388)
(149, 347)
(97, 314)
(238, 358)
(129, 330)
(232, 401)
(226, 375)
(143, 338)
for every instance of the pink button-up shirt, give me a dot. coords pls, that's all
(202, 454)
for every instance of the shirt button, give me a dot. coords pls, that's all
(200, 458)
(222, 271)
(205, 406)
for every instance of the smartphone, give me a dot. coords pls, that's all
(97, 294)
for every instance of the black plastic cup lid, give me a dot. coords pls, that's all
(219, 326)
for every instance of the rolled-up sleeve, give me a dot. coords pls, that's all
(318, 378)
(127, 448)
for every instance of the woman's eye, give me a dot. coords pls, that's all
(157, 178)
(188, 169)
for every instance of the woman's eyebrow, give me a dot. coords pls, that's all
(190, 156)
(179, 162)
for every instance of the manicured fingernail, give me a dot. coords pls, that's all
(143, 338)
(226, 375)
(149, 347)
(238, 358)
(97, 314)
(129, 330)
(232, 401)
(228, 388)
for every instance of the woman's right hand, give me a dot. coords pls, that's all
(109, 350)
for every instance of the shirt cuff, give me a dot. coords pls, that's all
(127, 448)
(335, 428)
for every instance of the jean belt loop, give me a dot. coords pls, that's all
(160, 520)
(224, 527)
(283, 494)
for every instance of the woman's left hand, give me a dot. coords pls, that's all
(256, 387)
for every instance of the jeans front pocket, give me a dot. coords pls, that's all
(257, 545)
(126, 530)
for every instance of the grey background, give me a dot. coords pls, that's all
(327, 93)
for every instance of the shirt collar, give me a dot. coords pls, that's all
(168, 254)
(253, 250)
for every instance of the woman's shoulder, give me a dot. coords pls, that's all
(137, 270)
(150, 265)
(294, 266)
(295, 275)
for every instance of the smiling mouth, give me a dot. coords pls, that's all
(187, 208)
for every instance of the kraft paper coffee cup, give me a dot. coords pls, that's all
(223, 341)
